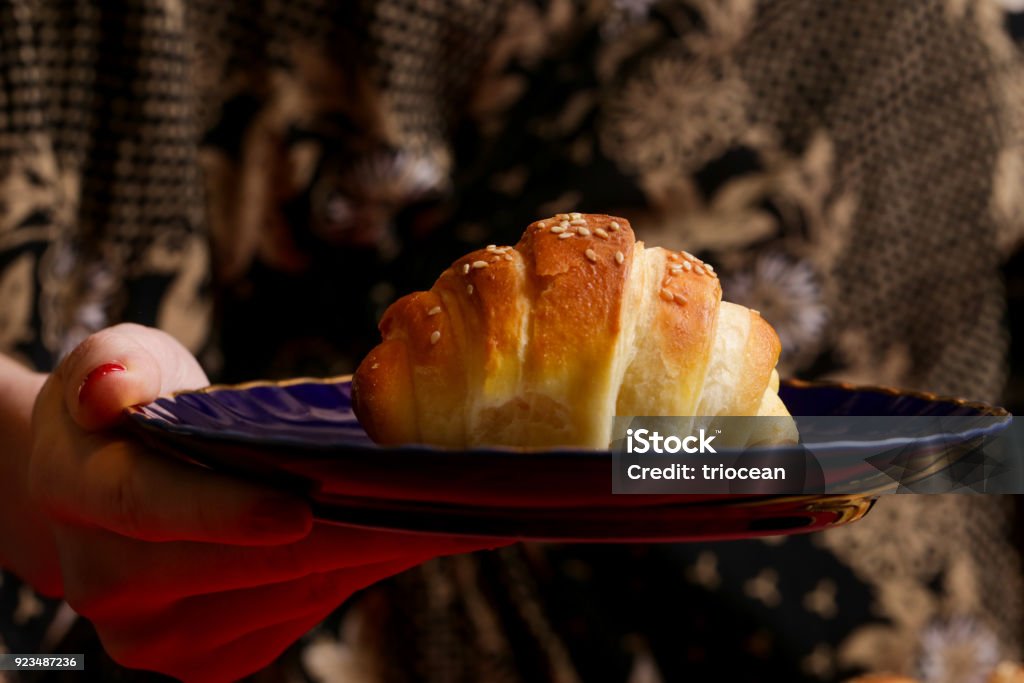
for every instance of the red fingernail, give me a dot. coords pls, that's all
(97, 373)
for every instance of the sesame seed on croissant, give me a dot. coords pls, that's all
(540, 344)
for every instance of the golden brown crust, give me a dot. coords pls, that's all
(674, 354)
(762, 354)
(575, 288)
(542, 343)
(482, 290)
(379, 395)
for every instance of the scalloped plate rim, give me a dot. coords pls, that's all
(141, 415)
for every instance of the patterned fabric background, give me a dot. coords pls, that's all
(281, 171)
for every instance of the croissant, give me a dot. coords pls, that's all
(541, 344)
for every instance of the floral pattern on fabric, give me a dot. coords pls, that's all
(284, 172)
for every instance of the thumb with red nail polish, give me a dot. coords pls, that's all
(88, 477)
(124, 366)
(149, 548)
(87, 393)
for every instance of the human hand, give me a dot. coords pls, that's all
(182, 570)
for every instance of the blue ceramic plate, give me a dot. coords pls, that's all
(303, 436)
